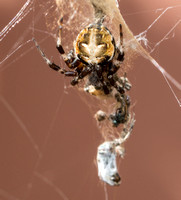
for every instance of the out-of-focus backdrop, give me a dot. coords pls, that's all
(48, 137)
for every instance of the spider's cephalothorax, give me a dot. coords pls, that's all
(94, 45)
(96, 56)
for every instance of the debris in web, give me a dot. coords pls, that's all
(107, 153)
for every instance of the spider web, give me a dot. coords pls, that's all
(47, 148)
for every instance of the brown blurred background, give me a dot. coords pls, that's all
(60, 124)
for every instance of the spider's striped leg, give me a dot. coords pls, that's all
(117, 86)
(81, 75)
(119, 49)
(69, 59)
(114, 68)
(53, 65)
(121, 35)
(121, 84)
(124, 82)
(59, 41)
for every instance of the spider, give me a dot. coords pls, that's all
(96, 56)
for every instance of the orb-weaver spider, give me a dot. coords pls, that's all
(96, 56)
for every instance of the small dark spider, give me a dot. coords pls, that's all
(96, 56)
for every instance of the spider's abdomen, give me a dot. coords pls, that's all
(95, 45)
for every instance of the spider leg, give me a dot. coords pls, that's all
(102, 82)
(121, 84)
(59, 42)
(114, 68)
(81, 75)
(121, 35)
(113, 82)
(53, 65)
(124, 82)
(69, 59)
(119, 49)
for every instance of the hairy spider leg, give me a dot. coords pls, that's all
(113, 82)
(86, 70)
(121, 45)
(52, 65)
(125, 82)
(69, 59)
(119, 54)
(99, 72)
(59, 41)
(120, 36)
